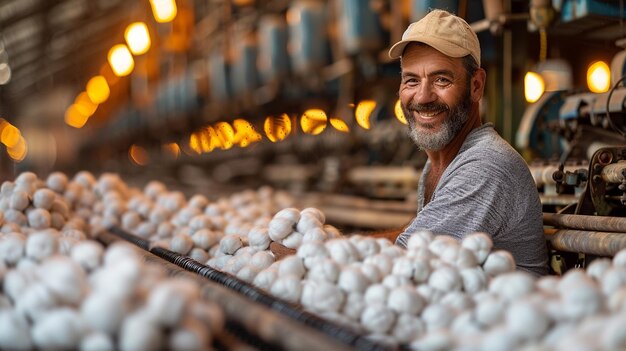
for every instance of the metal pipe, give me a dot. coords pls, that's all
(581, 222)
(594, 243)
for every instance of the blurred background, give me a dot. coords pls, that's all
(215, 96)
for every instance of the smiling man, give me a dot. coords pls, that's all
(473, 181)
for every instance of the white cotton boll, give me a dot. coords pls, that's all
(367, 247)
(14, 331)
(526, 320)
(16, 217)
(162, 243)
(547, 285)
(315, 234)
(218, 262)
(65, 245)
(321, 296)
(403, 266)
(265, 279)
(165, 229)
(181, 244)
(145, 229)
(613, 336)
(500, 339)
(498, 262)
(457, 301)
(437, 340)
(376, 294)
(139, 332)
(248, 251)
(200, 222)
(58, 329)
(480, 244)
(464, 325)
(212, 210)
(613, 279)
(189, 336)
(57, 181)
(261, 260)
(87, 179)
(19, 200)
(598, 267)
(560, 331)
(198, 201)
(353, 306)
(12, 248)
(440, 243)
(315, 213)
(404, 299)
(419, 239)
(445, 278)
(168, 301)
(16, 282)
(325, 270)
(311, 252)
(154, 189)
(371, 272)
(229, 244)
(393, 281)
(182, 231)
(512, 286)
(290, 213)
(619, 260)
(584, 301)
(342, 251)
(43, 198)
(130, 220)
(158, 215)
(421, 270)
(437, 316)
(307, 222)
(247, 273)
(258, 237)
(393, 251)
(198, 254)
(8, 228)
(291, 265)
(331, 232)
(377, 318)
(489, 311)
(280, 228)
(293, 240)
(65, 279)
(184, 216)
(238, 261)
(288, 288)
(351, 279)
(59, 206)
(97, 342)
(616, 301)
(474, 279)
(104, 312)
(41, 245)
(35, 302)
(408, 328)
(87, 199)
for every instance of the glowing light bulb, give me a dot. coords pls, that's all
(121, 60)
(137, 38)
(397, 109)
(599, 77)
(533, 86)
(363, 112)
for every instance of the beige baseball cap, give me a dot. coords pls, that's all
(447, 33)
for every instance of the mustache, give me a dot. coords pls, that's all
(431, 106)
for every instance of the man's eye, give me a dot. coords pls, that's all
(442, 81)
(410, 81)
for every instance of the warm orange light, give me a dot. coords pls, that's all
(138, 155)
(599, 77)
(194, 142)
(397, 109)
(340, 125)
(313, 121)
(171, 149)
(164, 10)
(363, 113)
(137, 38)
(534, 86)
(10, 135)
(98, 89)
(85, 105)
(19, 151)
(120, 60)
(226, 134)
(245, 134)
(277, 128)
(207, 139)
(74, 118)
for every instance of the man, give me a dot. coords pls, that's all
(473, 181)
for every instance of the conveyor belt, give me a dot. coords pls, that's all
(339, 335)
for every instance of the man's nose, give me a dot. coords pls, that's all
(424, 94)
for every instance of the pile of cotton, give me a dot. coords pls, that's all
(101, 299)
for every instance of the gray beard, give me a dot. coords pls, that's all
(426, 138)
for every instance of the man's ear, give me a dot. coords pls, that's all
(478, 84)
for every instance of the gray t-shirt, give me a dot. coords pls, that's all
(487, 188)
